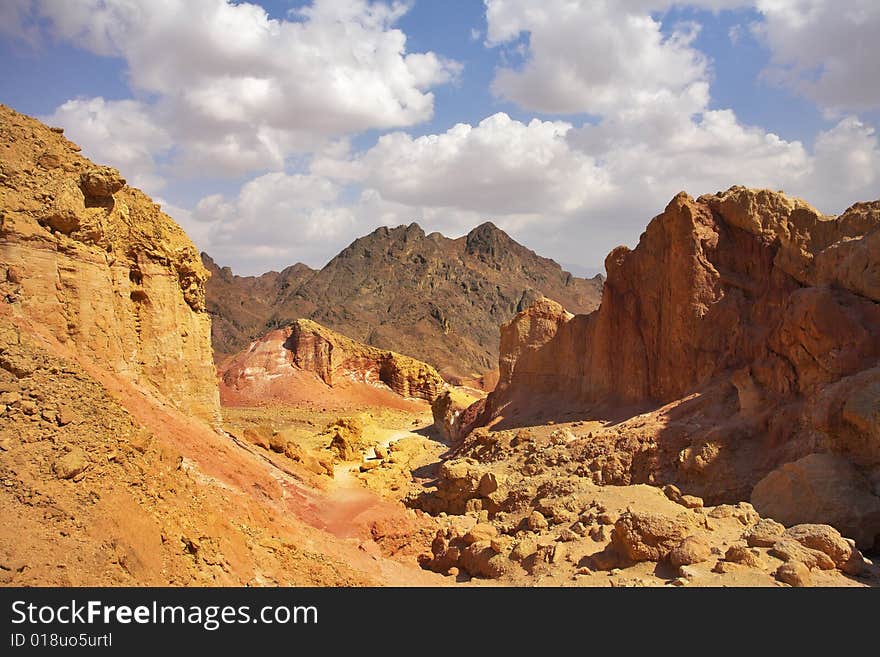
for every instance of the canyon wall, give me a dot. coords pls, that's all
(102, 267)
(743, 279)
(741, 334)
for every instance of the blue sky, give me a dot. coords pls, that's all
(279, 137)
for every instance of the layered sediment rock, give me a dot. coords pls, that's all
(306, 346)
(101, 266)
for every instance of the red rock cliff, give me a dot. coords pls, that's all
(746, 324)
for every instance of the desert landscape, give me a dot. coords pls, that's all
(709, 418)
(356, 293)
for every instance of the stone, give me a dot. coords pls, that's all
(764, 533)
(259, 436)
(381, 451)
(480, 532)
(522, 549)
(447, 409)
(693, 549)
(645, 536)
(71, 464)
(824, 539)
(790, 550)
(672, 492)
(346, 438)
(794, 573)
(599, 533)
(692, 502)
(101, 182)
(488, 484)
(567, 535)
(536, 522)
(67, 415)
(821, 489)
(743, 555)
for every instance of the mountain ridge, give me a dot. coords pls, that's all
(432, 297)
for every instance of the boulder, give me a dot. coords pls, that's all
(765, 533)
(447, 409)
(644, 536)
(821, 489)
(101, 182)
(71, 464)
(794, 573)
(481, 532)
(691, 550)
(346, 438)
(790, 550)
(742, 555)
(826, 539)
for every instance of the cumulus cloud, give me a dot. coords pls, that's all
(121, 133)
(498, 166)
(578, 192)
(594, 57)
(239, 90)
(825, 49)
(275, 220)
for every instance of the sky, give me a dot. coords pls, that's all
(278, 132)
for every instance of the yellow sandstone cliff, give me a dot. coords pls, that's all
(100, 265)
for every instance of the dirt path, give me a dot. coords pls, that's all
(344, 473)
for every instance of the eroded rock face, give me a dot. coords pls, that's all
(100, 266)
(744, 330)
(710, 285)
(306, 346)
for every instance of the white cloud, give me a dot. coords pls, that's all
(825, 49)
(120, 133)
(256, 88)
(846, 167)
(498, 166)
(575, 193)
(276, 218)
(595, 57)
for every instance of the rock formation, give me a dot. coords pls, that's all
(283, 360)
(434, 298)
(746, 324)
(101, 266)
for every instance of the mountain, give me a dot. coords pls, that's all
(437, 299)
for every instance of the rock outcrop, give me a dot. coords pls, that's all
(100, 266)
(278, 361)
(743, 332)
(428, 296)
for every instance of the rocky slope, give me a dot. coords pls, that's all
(434, 298)
(100, 265)
(520, 507)
(114, 471)
(741, 334)
(305, 359)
